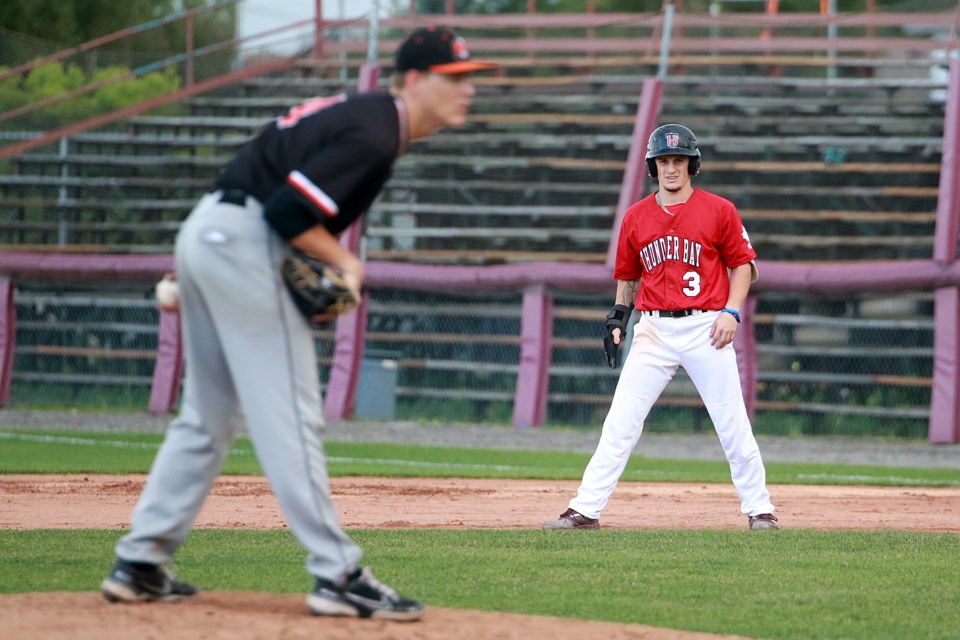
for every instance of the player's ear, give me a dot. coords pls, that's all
(413, 78)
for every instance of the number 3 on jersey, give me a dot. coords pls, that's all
(692, 278)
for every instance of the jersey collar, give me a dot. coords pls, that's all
(403, 118)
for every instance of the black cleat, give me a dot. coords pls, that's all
(363, 596)
(143, 582)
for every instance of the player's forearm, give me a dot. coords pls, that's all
(740, 278)
(627, 292)
(325, 247)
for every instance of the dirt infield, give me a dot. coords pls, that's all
(105, 502)
(100, 501)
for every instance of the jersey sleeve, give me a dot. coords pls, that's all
(736, 248)
(627, 264)
(340, 182)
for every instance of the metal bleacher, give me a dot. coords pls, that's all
(838, 163)
(536, 173)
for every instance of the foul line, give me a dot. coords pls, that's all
(832, 478)
(639, 475)
(120, 444)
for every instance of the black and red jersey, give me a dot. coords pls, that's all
(323, 162)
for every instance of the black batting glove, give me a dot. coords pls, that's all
(616, 319)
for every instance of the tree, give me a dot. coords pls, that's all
(652, 6)
(66, 23)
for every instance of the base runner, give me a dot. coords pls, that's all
(674, 252)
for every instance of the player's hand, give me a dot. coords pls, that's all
(723, 330)
(353, 277)
(616, 328)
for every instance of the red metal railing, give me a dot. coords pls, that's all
(185, 16)
(190, 84)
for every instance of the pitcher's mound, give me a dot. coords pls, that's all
(242, 615)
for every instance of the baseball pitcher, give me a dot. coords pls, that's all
(258, 261)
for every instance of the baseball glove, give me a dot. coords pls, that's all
(316, 288)
(616, 319)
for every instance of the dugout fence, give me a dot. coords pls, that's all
(824, 361)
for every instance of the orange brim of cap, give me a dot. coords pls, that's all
(465, 66)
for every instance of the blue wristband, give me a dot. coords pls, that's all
(733, 312)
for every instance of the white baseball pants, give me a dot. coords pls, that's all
(660, 346)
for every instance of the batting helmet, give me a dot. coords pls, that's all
(672, 140)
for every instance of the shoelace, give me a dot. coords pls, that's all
(170, 573)
(371, 581)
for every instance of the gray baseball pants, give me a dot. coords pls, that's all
(248, 351)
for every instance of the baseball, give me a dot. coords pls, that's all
(168, 295)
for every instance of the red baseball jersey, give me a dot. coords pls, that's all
(682, 259)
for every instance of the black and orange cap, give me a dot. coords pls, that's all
(437, 50)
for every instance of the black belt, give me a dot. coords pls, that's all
(681, 313)
(234, 196)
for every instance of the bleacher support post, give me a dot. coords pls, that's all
(318, 29)
(351, 329)
(168, 371)
(349, 339)
(8, 337)
(533, 375)
(944, 424)
(635, 173)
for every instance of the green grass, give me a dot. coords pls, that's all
(72, 452)
(790, 584)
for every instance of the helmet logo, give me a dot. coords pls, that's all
(672, 139)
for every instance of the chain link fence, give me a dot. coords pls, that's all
(840, 365)
(85, 347)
